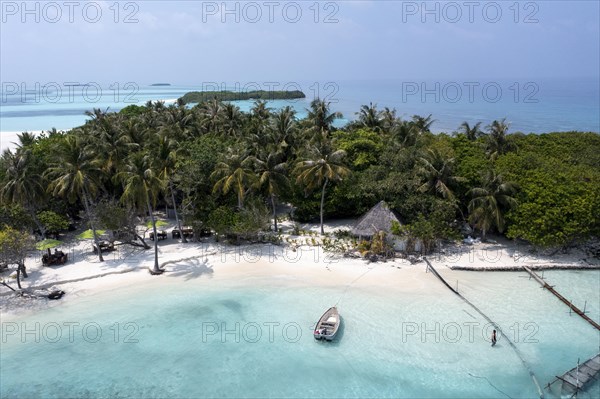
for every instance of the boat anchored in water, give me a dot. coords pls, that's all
(328, 325)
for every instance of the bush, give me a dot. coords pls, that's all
(53, 222)
(246, 223)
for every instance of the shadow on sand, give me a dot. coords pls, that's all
(189, 268)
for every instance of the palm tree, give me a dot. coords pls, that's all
(405, 133)
(490, 202)
(321, 118)
(209, 116)
(141, 187)
(472, 133)
(135, 132)
(110, 139)
(283, 131)
(438, 174)
(234, 173)
(258, 124)
(388, 119)
(369, 117)
(23, 184)
(497, 144)
(423, 124)
(231, 119)
(75, 175)
(26, 140)
(166, 156)
(272, 176)
(324, 167)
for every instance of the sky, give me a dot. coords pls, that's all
(188, 42)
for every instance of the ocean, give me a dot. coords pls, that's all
(251, 337)
(529, 105)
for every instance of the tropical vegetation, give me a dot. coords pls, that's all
(230, 171)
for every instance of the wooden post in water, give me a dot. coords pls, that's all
(577, 374)
(562, 298)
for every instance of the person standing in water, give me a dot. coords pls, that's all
(493, 337)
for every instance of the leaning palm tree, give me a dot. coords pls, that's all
(75, 174)
(141, 186)
(437, 172)
(490, 203)
(272, 176)
(234, 173)
(322, 168)
(22, 184)
(472, 133)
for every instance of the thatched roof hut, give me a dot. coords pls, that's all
(379, 218)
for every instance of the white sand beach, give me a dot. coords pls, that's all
(298, 263)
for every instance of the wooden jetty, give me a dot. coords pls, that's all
(578, 378)
(562, 298)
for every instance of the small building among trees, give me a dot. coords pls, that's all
(381, 218)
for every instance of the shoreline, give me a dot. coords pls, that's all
(294, 261)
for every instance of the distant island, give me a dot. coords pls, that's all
(160, 84)
(200, 96)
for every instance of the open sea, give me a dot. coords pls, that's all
(251, 338)
(530, 105)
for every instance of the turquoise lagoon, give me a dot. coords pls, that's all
(251, 337)
(530, 105)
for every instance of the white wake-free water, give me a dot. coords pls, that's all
(253, 338)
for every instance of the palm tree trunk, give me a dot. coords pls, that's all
(156, 269)
(274, 211)
(183, 239)
(89, 215)
(483, 235)
(323, 203)
(21, 270)
(19, 277)
(37, 222)
(240, 201)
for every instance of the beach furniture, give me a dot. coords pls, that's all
(328, 325)
(56, 258)
(162, 235)
(105, 246)
(188, 232)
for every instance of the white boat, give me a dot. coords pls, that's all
(328, 325)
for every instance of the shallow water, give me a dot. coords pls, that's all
(252, 338)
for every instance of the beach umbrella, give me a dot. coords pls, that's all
(159, 223)
(47, 244)
(89, 234)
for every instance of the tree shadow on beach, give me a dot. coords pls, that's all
(190, 268)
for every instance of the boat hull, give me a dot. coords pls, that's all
(328, 325)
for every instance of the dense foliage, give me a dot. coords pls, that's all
(228, 170)
(195, 97)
